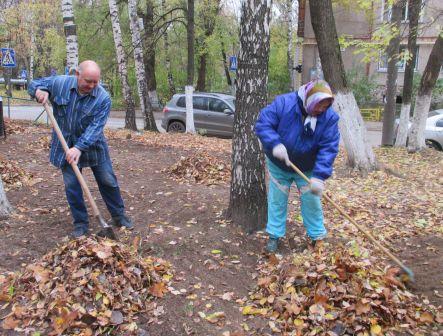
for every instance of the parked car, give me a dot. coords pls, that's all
(213, 113)
(433, 130)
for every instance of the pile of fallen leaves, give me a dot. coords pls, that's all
(337, 291)
(44, 142)
(14, 127)
(200, 168)
(88, 286)
(12, 175)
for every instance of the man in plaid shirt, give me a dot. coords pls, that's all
(81, 107)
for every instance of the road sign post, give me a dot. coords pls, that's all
(8, 58)
(233, 63)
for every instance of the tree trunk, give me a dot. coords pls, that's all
(423, 100)
(352, 128)
(122, 66)
(142, 86)
(290, 29)
(70, 33)
(5, 207)
(150, 53)
(225, 64)
(190, 39)
(391, 81)
(247, 204)
(413, 16)
(210, 12)
(171, 85)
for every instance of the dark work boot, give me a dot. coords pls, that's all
(124, 221)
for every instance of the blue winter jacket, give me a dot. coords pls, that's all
(282, 122)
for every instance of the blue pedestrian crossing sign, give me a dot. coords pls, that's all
(233, 63)
(8, 58)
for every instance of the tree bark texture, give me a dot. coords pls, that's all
(352, 128)
(5, 207)
(122, 66)
(423, 100)
(145, 102)
(70, 34)
(391, 80)
(290, 30)
(190, 42)
(247, 206)
(413, 17)
(171, 85)
(149, 45)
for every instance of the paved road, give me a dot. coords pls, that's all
(117, 120)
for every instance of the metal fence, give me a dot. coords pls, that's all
(8, 100)
(372, 114)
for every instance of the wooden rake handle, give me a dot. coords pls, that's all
(358, 226)
(74, 166)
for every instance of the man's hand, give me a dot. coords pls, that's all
(73, 155)
(281, 153)
(42, 96)
(317, 186)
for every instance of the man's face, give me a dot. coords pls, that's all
(321, 107)
(87, 80)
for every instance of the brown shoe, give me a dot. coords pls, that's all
(317, 245)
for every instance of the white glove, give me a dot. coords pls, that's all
(281, 153)
(317, 186)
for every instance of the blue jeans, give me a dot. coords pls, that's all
(280, 182)
(107, 184)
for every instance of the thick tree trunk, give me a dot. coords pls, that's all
(5, 207)
(171, 85)
(423, 100)
(150, 52)
(391, 80)
(142, 86)
(201, 78)
(70, 33)
(122, 66)
(190, 42)
(352, 128)
(247, 206)
(413, 16)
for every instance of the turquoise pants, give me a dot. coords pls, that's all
(280, 183)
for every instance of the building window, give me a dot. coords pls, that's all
(401, 64)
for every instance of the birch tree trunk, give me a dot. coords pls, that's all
(247, 204)
(142, 85)
(5, 207)
(413, 16)
(171, 85)
(70, 33)
(122, 66)
(352, 128)
(423, 100)
(391, 80)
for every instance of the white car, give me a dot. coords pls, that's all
(433, 130)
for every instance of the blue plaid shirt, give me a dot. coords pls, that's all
(81, 119)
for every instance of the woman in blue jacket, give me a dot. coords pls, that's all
(302, 128)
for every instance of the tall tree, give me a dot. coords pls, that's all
(225, 64)
(171, 85)
(149, 46)
(70, 33)
(122, 66)
(423, 100)
(247, 205)
(145, 101)
(289, 16)
(413, 16)
(391, 80)
(190, 40)
(5, 207)
(210, 10)
(352, 128)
